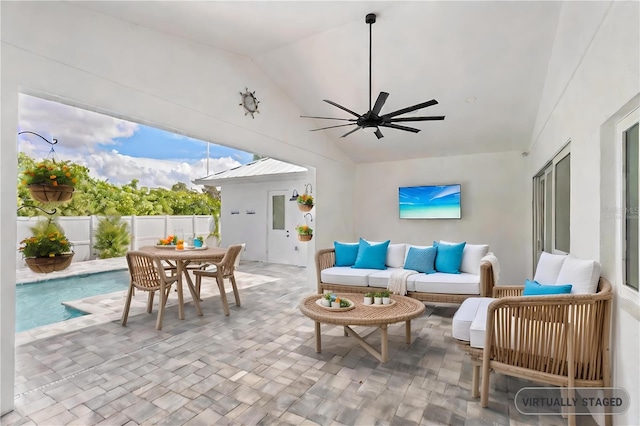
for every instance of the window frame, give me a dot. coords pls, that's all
(627, 292)
(547, 176)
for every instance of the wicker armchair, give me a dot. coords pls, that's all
(221, 270)
(560, 340)
(148, 274)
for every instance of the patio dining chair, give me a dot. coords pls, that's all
(221, 270)
(147, 273)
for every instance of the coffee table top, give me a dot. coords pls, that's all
(404, 309)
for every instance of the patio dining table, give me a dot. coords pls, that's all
(182, 259)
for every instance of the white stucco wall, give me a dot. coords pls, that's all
(252, 229)
(110, 66)
(600, 82)
(493, 208)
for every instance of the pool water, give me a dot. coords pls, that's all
(41, 303)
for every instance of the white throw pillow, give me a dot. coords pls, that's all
(471, 257)
(583, 275)
(395, 255)
(549, 267)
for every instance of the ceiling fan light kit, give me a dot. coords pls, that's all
(372, 120)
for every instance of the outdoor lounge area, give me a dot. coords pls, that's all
(256, 366)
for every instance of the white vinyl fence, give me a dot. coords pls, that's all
(144, 230)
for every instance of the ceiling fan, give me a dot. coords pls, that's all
(372, 120)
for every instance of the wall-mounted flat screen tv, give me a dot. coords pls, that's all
(429, 202)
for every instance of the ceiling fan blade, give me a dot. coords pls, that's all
(398, 120)
(341, 107)
(379, 134)
(395, 126)
(348, 133)
(331, 127)
(411, 108)
(329, 118)
(382, 98)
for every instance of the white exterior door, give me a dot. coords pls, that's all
(279, 237)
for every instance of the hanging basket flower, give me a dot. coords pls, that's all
(45, 265)
(48, 249)
(304, 233)
(305, 202)
(50, 181)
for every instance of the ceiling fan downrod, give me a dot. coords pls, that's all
(370, 19)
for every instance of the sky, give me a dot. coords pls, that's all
(116, 149)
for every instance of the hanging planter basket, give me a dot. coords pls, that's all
(305, 237)
(45, 265)
(50, 193)
(305, 207)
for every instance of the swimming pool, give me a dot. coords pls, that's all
(41, 303)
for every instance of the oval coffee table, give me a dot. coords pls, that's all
(405, 309)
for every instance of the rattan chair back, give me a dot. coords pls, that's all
(146, 271)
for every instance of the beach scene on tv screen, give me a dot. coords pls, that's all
(430, 202)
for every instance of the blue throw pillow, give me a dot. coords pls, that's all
(534, 288)
(449, 257)
(346, 253)
(371, 256)
(421, 259)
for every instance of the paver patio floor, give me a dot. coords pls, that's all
(256, 366)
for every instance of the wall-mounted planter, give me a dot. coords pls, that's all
(45, 265)
(305, 238)
(50, 193)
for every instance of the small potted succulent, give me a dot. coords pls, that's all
(198, 241)
(50, 181)
(48, 249)
(326, 300)
(336, 303)
(305, 202)
(368, 298)
(386, 297)
(304, 232)
(377, 298)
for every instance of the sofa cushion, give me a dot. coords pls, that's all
(478, 328)
(471, 256)
(395, 255)
(421, 260)
(548, 268)
(371, 256)
(346, 253)
(381, 278)
(466, 313)
(443, 283)
(346, 275)
(449, 257)
(582, 274)
(534, 288)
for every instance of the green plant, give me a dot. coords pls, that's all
(328, 296)
(368, 295)
(304, 230)
(112, 237)
(305, 199)
(200, 238)
(385, 293)
(377, 294)
(48, 240)
(50, 172)
(344, 303)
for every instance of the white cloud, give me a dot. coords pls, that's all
(121, 169)
(80, 131)
(75, 128)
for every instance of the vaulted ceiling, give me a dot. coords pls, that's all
(485, 63)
